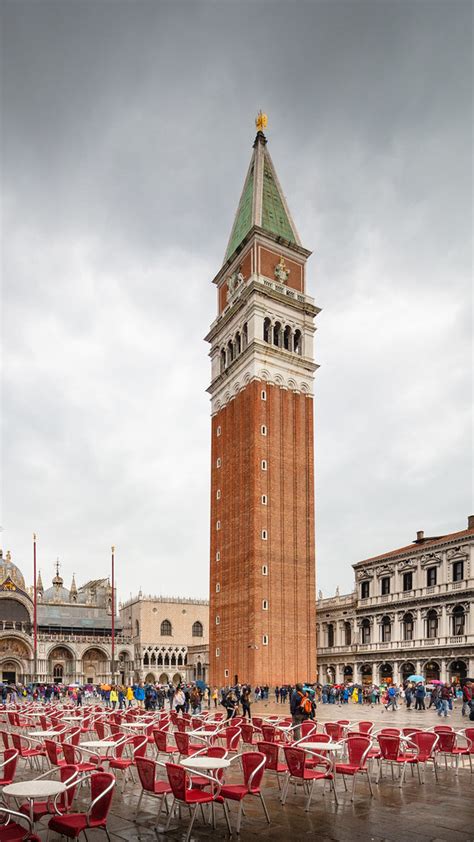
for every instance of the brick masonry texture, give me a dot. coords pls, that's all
(288, 552)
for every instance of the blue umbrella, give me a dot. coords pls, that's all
(415, 678)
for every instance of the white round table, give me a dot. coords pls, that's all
(320, 746)
(202, 762)
(45, 734)
(32, 790)
(97, 744)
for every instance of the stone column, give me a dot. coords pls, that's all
(396, 672)
(443, 630)
(418, 667)
(444, 670)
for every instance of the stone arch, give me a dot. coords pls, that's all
(304, 387)
(95, 667)
(61, 664)
(12, 669)
(292, 384)
(431, 671)
(150, 678)
(68, 649)
(406, 669)
(366, 673)
(163, 679)
(458, 669)
(386, 673)
(177, 678)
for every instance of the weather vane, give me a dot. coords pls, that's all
(261, 121)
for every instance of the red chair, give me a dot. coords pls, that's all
(119, 762)
(162, 747)
(12, 831)
(365, 727)
(150, 785)
(53, 750)
(426, 742)
(62, 803)
(4, 736)
(446, 742)
(391, 752)
(301, 775)
(8, 767)
(253, 767)
(74, 757)
(469, 735)
(334, 730)
(185, 747)
(24, 748)
(358, 747)
(183, 792)
(308, 727)
(250, 734)
(232, 735)
(73, 824)
(272, 759)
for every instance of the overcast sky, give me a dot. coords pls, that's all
(126, 134)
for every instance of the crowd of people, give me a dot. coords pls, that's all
(238, 699)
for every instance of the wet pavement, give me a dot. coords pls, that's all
(419, 813)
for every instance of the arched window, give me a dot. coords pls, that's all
(267, 325)
(58, 672)
(245, 336)
(166, 629)
(407, 624)
(222, 360)
(386, 629)
(146, 660)
(287, 338)
(432, 624)
(197, 629)
(347, 634)
(330, 635)
(238, 343)
(167, 660)
(365, 629)
(277, 334)
(297, 342)
(159, 660)
(230, 352)
(137, 628)
(180, 660)
(173, 660)
(459, 620)
(153, 659)
(199, 669)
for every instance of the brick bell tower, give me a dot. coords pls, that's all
(262, 564)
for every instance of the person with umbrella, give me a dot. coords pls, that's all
(420, 694)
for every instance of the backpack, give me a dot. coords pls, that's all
(305, 705)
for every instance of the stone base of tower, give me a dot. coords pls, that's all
(262, 593)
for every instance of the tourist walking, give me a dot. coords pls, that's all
(300, 709)
(466, 698)
(445, 695)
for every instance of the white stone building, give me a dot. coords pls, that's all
(410, 612)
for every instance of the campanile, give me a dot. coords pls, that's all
(262, 562)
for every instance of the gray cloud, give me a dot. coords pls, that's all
(126, 133)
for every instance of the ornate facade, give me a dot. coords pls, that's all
(74, 630)
(262, 559)
(170, 638)
(411, 612)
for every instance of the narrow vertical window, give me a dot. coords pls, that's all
(263, 430)
(264, 570)
(264, 499)
(265, 604)
(218, 462)
(263, 395)
(264, 535)
(265, 639)
(218, 431)
(218, 587)
(218, 494)
(218, 525)
(264, 464)
(218, 555)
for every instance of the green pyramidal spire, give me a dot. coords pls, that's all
(262, 202)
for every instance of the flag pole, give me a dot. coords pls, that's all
(113, 615)
(35, 617)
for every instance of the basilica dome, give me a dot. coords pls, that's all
(8, 570)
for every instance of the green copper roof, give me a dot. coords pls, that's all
(261, 203)
(243, 220)
(274, 217)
